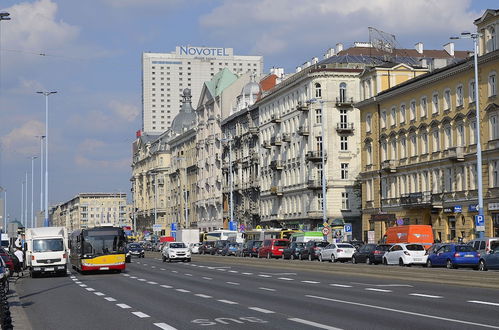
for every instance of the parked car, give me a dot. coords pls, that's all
(176, 251)
(230, 249)
(362, 254)
(336, 251)
(4, 275)
(405, 255)
(293, 251)
(272, 248)
(135, 250)
(489, 260)
(194, 247)
(247, 248)
(207, 247)
(255, 248)
(312, 249)
(453, 256)
(357, 244)
(376, 256)
(7, 259)
(219, 245)
(483, 245)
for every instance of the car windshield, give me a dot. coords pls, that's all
(134, 246)
(177, 245)
(48, 245)
(414, 247)
(383, 247)
(280, 243)
(345, 246)
(465, 248)
(322, 244)
(257, 244)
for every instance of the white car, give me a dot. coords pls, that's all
(176, 251)
(405, 255)
(194, 247)
(337, 251)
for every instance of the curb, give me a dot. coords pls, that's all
(19, 317)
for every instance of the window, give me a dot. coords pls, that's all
(402, 113)
(318, 90)
(412, 111)
(490, 43)
(393, 116)
(447, 99)
(345, 203)
(343, 92)
(393, 151)
(344, 171)
(459, 96)
(460, 135)
(424, 141)
(472, 91)
(319, 201)
(413, 145)
(384, 154)
(318, 116)
(343, 118)
(472, 132)
(369, 151)
(492, 85)
(424, 107)
(494, 127)
(494, 175)
(448, 137)
(368, 122)
(319, 144)
(436, 141)
(434, 103)
(448, 180)
(383, 119)
(403, 147)
(343, 143)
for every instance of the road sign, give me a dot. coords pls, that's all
(325, 224)
(325, 231)
(242, 228)
(480, 222)
(348, 228)
(156, 228)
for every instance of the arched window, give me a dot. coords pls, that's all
(318, 90)
(343, 92)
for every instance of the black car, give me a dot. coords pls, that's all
(135, 250)
(230, 249)
(254, 248)
(219, 246)
(293, 251)
(207, 247)
(248, 248)
(312, 249)
(363, 253)
(376, 256)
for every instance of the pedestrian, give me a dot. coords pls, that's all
(20, 256)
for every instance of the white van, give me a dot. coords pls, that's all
(47, 250)
(483, 245)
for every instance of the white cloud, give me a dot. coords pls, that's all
(142, 3)
(276, 26)
(22, 140)
(127, 112)
(90, 145)
(87, 163)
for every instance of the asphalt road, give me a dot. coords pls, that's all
(226, 293)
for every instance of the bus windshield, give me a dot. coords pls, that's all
(100, 243)
(48, 245)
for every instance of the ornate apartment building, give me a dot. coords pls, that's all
(419, 148)
(88, 210)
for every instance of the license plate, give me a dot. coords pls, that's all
(417, 259)
(104, 268)
(469, 256)
(281, 249)
(50, 269)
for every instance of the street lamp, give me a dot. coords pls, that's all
(32, 179)
(323, 156)
(4, 16)
(186, 211)
(474, 36)
(41, 170)
(228, 140)
(46, 94)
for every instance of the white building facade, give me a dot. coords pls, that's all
(166, 75)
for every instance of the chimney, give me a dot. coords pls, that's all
(329, 53)
(449, 48)
(419, 47)
(339, 47)
(298, 69)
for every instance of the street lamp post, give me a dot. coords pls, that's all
(26, 222)
(4, 16)
(41, 170)
(474, 36)
(22, 202)
(46, 94)
(4, 208)
(32, 179)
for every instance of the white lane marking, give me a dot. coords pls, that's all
(381, 285)
(164, 326)
(141, 279)
(165, 286)
(203, 295)
(174, 271)
(377, 290)
(280, 274)
(162, 269)
(83, 285)
(207, 278)
(78, 282)
(264, 275)
(232, 283)
(227, 302)
(90, 289)
(188, 274)
(140, 314)
(285, 278)
(267, 289)
(424, 295)
(110, 299)
(74, 279)
(313, 324)
(124, 306)
(151, 282)
(153, 266)
(233, 271)
(483, 302)
(221, 269)
(72, 276)
(182, 290)
(403, 312)
(134, 277)
(99, 294)
(341, 285)
(145, 264)
(311, 282)
(261, 310)
(247, 273)
(127, 275)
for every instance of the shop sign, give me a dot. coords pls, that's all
(473, 208)
(458, 209)
(448, 210)
(493, 206)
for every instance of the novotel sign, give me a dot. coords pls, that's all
(204, 51)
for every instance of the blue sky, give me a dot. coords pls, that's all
(93, 59)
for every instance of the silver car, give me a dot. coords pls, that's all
(337, 251)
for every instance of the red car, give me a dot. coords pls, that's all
(272, 248)
(8, 260)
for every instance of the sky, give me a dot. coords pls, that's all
(90, 53)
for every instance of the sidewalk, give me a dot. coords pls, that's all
(19, 317)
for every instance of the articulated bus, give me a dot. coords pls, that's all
(99, 248)
(261, 234)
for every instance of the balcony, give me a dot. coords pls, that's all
(275, 119)
(389, 166)
(344, 127)
(314, 156)
(266, 145)
(344, 101)
(302, 107)
(253, 130)
(303, 131)
(390, 202)
(437, 200)
(415, 200)
(314, 184)
(456, 153)
(275, 141)
(254, 156)
(286, 137)
(315, 214)
(276, 190)
(276, 165)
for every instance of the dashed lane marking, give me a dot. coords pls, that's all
(109, 299)
(285, 278)
(264, 275)
(162, 269)
(247, 273)
(313, 324)
(267, 289)
(124, 306)
(207, 278)
(164, 326)
(90, 289)
(174, 271)
(127, 275)
(341, 285)
(140, 314)
(377, 290)
(228, 302)
(165, 286)
(99, 294)
(311, 282)
(232, 283)
(83, 285)
(141, 279)
(151, 282)
(182, 290)
(424, 295)
(188, 274)
(203, 295)
(133, 277)
(483, 302)
(233, 271)
(261, 310)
